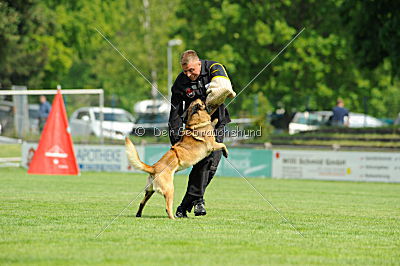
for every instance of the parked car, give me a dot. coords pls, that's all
(151, 117)
(397, 120)
(116, 124)
(34, 118)
(152, 107)
(6, 116)
(363, 120)
(150, 124)
(306, 121)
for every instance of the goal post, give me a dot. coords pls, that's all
(100, 92)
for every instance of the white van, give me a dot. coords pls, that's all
(116, 124)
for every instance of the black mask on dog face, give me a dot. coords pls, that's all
(195, 108)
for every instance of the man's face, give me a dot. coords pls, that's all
(192, 69)
(42, 99)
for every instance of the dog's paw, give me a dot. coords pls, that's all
(214, 122)
(138, 215)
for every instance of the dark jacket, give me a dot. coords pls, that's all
(184, 91)
(44, 110)
(338, 114)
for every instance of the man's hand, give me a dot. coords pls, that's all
(220, 88)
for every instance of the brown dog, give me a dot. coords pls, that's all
(198, 142)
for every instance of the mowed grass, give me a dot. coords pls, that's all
(55, 220)
(10, 150)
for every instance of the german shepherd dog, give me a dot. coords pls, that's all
(197, 142)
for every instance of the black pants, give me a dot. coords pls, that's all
(202, 174)
(42, 122)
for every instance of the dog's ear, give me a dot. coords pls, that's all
(203, 104)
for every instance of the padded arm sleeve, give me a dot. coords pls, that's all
(220, 87)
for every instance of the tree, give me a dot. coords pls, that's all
(316, 69)
(21, 58)
(246, 35)
(54, 42)
(374, 26)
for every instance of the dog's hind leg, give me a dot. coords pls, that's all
(169, 199)
(147, 196)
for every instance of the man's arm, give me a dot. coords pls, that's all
(175, 120)
(346, 118)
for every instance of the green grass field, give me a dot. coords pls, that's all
(55, 219)
(10, 150)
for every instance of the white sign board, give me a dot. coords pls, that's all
(92, 157)
(332, 165)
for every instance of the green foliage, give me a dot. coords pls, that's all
(311, 73)
(69, 50)
(375, 32)
(21, 57)
(348, 49)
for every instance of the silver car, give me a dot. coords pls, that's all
(306, 121)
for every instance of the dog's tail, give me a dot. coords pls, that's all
(133, 158)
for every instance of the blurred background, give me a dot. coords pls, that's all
(348, 50)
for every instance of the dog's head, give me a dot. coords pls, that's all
(196, 106)
(197, 111)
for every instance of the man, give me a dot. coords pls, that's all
(193, 83)
(339, 112)
(44, 111)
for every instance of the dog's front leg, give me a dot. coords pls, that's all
(214, 122)
(221, 146)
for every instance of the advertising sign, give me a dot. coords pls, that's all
(109, 158)
(248, 162)
(332, 165)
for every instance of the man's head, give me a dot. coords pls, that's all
(42, 98)
(340, 102)
(191, 64)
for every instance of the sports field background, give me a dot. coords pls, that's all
(54, 220)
